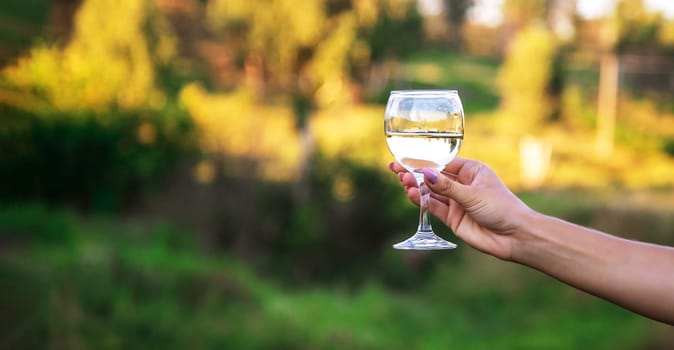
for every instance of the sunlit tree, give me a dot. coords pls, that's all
(315, 51)
(530, 79)
(111, 60)
(525, 77)
(311, 53)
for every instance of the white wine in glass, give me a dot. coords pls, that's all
(424, 129)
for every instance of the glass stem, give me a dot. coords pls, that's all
(424, 220)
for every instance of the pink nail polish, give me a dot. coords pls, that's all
(431, 175)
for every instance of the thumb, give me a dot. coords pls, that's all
(446, 186)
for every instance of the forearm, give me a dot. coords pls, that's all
(634, 275)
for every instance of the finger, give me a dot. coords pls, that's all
(456, 165)
(439, 197)
(438, 207)
(437, 200)
(446, 186)
(405, 177)
(413, 195)
(452, 175)
(408, 180)
(396, 167)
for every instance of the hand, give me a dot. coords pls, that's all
(471, 200)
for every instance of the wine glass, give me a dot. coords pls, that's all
(424, 129)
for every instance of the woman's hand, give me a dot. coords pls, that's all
(471, 200)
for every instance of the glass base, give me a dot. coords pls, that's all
(424, 241)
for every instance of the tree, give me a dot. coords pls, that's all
(525, 77)
(312, 54)
(455, 15)
(301, 52)
(105, 64)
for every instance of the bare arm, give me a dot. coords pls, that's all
(638, 276)
(470, 198)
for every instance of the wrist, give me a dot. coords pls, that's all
(528, 237)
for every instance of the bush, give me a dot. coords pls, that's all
(95, 161)
(35, 224)
(343, 210)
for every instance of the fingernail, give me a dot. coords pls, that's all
(431, 175)
(390, 165)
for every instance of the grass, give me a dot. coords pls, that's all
(114, 284)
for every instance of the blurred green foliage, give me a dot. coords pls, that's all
(24, 224)
(86, 160)
(140, 285)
